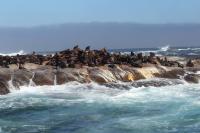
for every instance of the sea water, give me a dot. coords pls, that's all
(92, 108)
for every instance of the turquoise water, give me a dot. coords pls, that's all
(79, 108)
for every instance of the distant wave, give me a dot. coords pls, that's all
(184, 49)
(21, 52)
(165, 48)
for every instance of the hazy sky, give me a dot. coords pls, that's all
(42, 12)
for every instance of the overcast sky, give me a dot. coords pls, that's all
(42, 12)
(43, 25)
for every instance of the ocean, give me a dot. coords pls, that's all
(93, 108)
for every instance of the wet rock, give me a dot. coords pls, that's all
(190, 63)
(44, 77)
(133, 73)
(128, 77)
(71, 74)
(192, 69)
(192, 78)
(5, 73)
(101, 75)
(21, 77)
(3, 87)
(171, 74)
(144, 83)
(148, 72)
(156, 83)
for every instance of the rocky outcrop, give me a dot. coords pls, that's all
(72, 74)
(174, 73)
(43, 77)
(4, 88)
(192, 78)
(106, 74)
(101, 75)
(21, 77)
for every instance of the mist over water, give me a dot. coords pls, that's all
(91, 108)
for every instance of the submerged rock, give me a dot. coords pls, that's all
(144, 83)
(192, 78)
(156, 83)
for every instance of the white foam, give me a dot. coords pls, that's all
(198, 72)
(192, 54)
(184, 49)
(21, 52)
(165, 48)
(73, 93)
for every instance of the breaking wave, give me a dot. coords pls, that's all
(165, 48)
(76, 107)
(21, 52)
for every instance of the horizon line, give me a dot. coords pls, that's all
(96, 22)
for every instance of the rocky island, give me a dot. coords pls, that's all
(100, 66)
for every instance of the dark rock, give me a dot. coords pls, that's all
(140, 56)
(190, 63)
(172, 74)
(144, 83)
(87, 48)
(5, 73)
(152, 54)
(156, 83)
(3, 87)
(192, 78)
(137, 63)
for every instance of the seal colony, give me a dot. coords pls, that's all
(78, 57)
(88, 65)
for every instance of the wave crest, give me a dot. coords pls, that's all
(165, 48)
(21, 52)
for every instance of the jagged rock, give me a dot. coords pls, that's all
(3, 87)
(192, 78)
(44, 77)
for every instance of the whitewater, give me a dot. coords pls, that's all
(93, 108)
